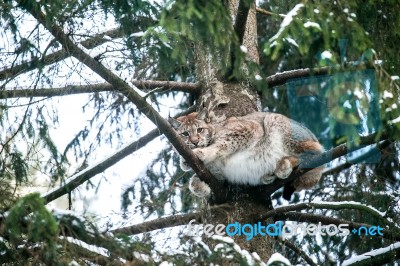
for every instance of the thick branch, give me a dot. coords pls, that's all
(134, 97)
(76, 180)
(144, 85)
(319, 160)
(160, 223)
(282, 78)
(166, 222)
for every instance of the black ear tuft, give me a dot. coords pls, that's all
(203, 114)
(174, 122)
(288, 191)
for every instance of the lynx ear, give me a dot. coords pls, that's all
(174, 122)
(207, 116)
(203, 114)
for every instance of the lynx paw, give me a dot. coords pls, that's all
(198, 187)
(184, 166)
(200, 154)
(268, 179)
(283, 168)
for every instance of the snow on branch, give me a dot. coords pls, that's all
(375, 257)
(345, 205)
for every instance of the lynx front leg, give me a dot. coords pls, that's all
(284, 166)
(210, 153)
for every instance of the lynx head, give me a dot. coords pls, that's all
(194, 129)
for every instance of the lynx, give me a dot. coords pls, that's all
(254, 149)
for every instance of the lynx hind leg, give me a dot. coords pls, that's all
(284, 166)
(198, 187)
(184, 166)
(308, 180)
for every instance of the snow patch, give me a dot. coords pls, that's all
(277, 257)
(243, 49)
(387, 95)
(326, 55)
(287, 20)
(291, 41)
(310, 24)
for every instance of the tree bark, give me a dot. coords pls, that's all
(227, 98)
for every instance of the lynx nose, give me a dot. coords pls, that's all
(195, 141)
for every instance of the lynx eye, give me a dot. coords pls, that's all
(185, 134)
(200, 129)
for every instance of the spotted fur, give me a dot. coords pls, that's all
(254, 149)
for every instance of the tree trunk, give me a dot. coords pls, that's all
(234, 98)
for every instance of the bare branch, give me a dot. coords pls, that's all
(144, 85)
(166, 222)
(283, 77)
(160, 223)
(74, 181)
(268, 13)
